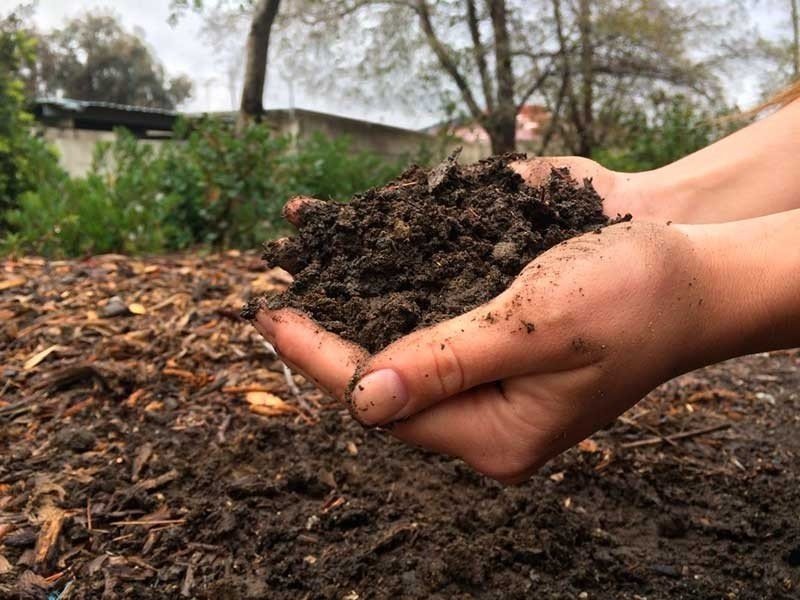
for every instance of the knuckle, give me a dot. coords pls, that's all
(448, 367)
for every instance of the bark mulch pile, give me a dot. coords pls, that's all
(151, 446)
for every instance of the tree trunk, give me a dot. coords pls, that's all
(586, 135)
(502, 128)
(252, 106)
(502, 135)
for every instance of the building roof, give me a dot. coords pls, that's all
(104, 116)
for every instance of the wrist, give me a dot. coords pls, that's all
(749, 297)
(678, 192)
(747, 174)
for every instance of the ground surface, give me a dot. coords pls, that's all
(150, 447)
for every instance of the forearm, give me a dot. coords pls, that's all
(751, 173)
(751, 292)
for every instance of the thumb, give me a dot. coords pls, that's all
(427, 366)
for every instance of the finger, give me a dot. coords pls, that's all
(297, 209)
(430, 365)
(536, 171)
(302, 210)
(326, 358)
(480, 428)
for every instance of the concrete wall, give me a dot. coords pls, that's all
(385, 140)
(76, 146)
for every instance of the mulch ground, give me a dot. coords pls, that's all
(151, 446)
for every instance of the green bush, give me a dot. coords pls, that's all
(25, 161)
(211, 185)
(329, 169)
(118, 207)
(663, 132)
(231, 186)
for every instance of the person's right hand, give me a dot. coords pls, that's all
(583, 333)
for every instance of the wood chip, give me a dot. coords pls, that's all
(137, 309)
(267, 404)
(8, 284)
(142, 456)
(5, 566)
(40, 356)
(157, 482)
(52, 519)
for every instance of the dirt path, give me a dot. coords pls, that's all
(153, 449)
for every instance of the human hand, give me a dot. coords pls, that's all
(622, 193)
(582, 334)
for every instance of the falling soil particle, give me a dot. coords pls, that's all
(427, 246)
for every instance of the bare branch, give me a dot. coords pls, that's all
(446, 60)
(480, 54)
(536, 84)
(566, 65)
(534, 56)
(555, 117)
(348, 8)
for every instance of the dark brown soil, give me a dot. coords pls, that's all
(134, 465)
(426, 247)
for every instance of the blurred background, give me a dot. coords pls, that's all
(148, 127)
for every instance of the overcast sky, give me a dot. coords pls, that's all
(183, 50)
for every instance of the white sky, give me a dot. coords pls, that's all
(183, 50)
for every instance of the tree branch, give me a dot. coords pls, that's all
(447, 62)
(555, 117)
(566, 65)
(327, 15)
(535, 85)
(647, 69)
(480, 54)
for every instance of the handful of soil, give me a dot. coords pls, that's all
(426, 247)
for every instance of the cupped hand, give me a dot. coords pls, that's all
(582, 334)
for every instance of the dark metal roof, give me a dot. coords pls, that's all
(90, 114)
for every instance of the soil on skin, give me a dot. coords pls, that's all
(426, 247)
(136, 462)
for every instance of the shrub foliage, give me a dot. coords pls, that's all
(211, 185)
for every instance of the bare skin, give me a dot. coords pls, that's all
(751, 173)
(613, 316)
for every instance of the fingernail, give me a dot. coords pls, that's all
(379, 397)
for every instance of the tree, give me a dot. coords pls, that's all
(255, 69)
(780, 52)
(264, 13)
(582, 58)
(94, 58)
(614, 55)
(481, 52)
(25, 161)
